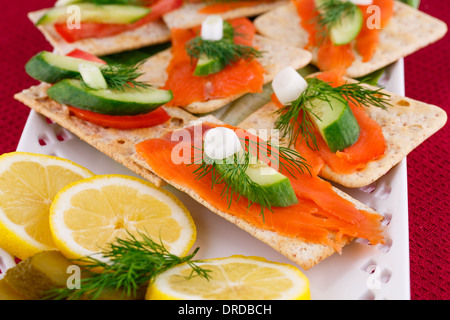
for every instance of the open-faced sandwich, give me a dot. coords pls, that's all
(360, 36)
(103, 27)
(349, 132)
(262, 188)
(212, 65)
(109, 107)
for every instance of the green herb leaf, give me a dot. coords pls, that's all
(119, 76)
(232, 174)
(130, 264)
(294, 119)
(330, 14)
(224, 50)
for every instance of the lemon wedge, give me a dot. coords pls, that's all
(91, 213)
(28, 184)
(232, 278)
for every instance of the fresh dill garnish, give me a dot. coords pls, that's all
(231, 172)
(225, 50)
(294, 119)
(129, 265)
(118, 77)
(330, 15)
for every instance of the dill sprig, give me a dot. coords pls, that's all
(119, 77)
(231, 172)
(127, 265)
(330, 15)
(225, 50)
(294, 120)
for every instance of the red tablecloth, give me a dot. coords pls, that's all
(427, 74)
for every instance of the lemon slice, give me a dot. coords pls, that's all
(232, 278)
(89, 214)
(28, 185)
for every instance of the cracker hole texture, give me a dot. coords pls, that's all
(176, 122)
(403, 103)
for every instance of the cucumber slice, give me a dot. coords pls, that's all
(348, 28)
(206, 66)
(337, 125)
(92, 76)
(108, 13)
(51, 68)
(60, 3)
(129, 102)
(273, 184)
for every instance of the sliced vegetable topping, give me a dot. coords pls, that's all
(107, 13)
(221, 143)
(315, 150)
(212, 28)
(326, 107)
(243, 164)
(100, 29)
(340, 20)
(151, 119)
(335, 121)
(288, 85)
(50, 68)
(106, 95)
(125, 102)
(92, 76)
(217, 46)
(241, 76)
(335, 27)
(319, 216)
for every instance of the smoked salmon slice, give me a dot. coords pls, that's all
(371, 144)
(240, 77)
(321, 216)
(330, 56)
(369, 37)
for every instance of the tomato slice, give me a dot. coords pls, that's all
(101, 30)
(151, 119)
(80, 54)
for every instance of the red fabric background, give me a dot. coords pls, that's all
(427, 74)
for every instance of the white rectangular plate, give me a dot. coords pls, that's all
(361, 272)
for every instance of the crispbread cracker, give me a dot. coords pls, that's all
(275, 57)
(306, 255)
(117, 144)
(188, 16)
(408, 31)
(405, 125)
(146, 35)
